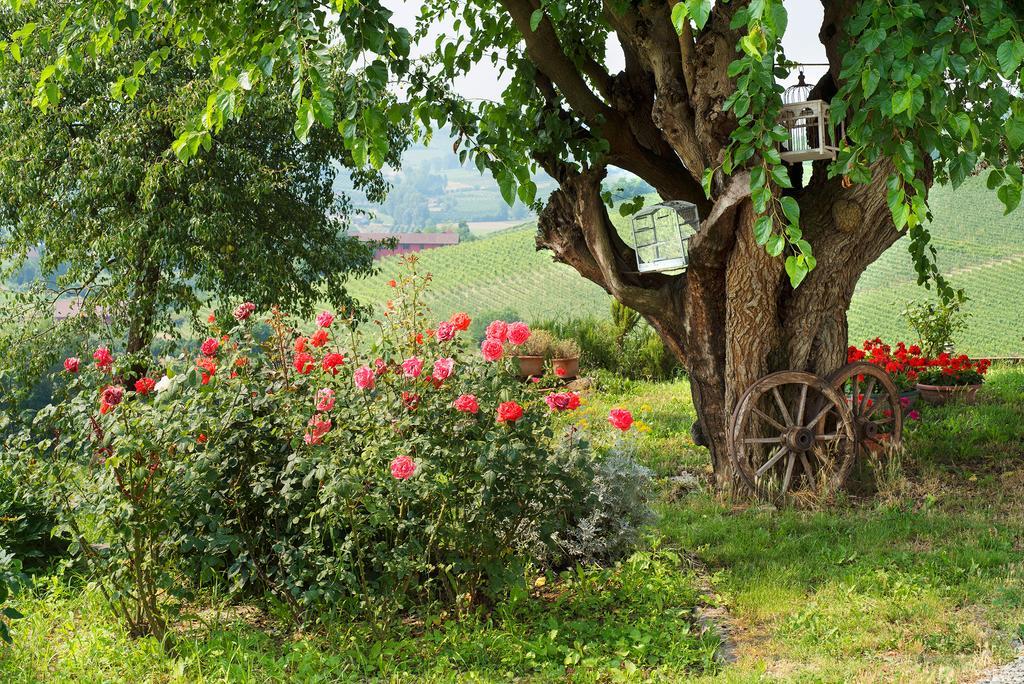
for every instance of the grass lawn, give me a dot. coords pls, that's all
(922, 582)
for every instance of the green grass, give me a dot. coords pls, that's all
(922, 582)
(980, 249)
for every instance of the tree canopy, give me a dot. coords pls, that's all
(93, 188)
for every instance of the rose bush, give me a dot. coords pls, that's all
(386, 461)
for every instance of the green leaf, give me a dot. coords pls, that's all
(706, 179)
(781, 177)
(535, 19)
(869, 81)
(527, 192)
(763, 229)
(797, 270)
(699, 10)
(1015, 132)
(507, 185)
(776, 243)
(1009, 195)
(679, 15)
(791, 209)
(303, 120)
(901, 101)
(1009, 55)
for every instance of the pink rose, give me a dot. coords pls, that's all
(559, 401)
(467, 403)
(104, 359)
(914, 415)
(445, 331)
(380, 367)
(402, 468)
(243, 311)
(320, 425)
(518, 333)
(497, 330)
(491, 349)
(443, 369)
(210, 346)
(412, 367)
(71, 364)
(620, 418)
(905, 402)
(365, 378)
(324, 319)
(325, 399)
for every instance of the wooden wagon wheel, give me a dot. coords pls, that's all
(775, 427)
(874, 402)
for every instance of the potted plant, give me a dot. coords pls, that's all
(531, 354)
(952, 377)
(903, 364)
(565, 359)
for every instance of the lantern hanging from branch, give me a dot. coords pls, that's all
(807, 121)
(661, 235)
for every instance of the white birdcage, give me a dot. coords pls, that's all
(808, 124)
(661, 235)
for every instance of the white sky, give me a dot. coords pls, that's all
(800, 42)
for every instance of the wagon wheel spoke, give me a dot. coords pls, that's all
(885, 421)
(762, 440)
(803, 405)
(821, 414)
(831, 437)
(867, 397)
(774, 423)
(790, 462)
(782, 405)
(776, 455)
(807, 471)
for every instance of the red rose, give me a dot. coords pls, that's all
(201, 438)
(509, 412)
(145, 385)
(300, 344)
(319, 338)
(104, 359)
(208, 368)
(410, 399)
(332, 361)
(620, 418)
(71, 364)
(461, 321)
(402, 468)
(392, 283)
(303, 362)
(210, 347)
(497, 330)
(445, 331)
(518, 333)
(467, 403)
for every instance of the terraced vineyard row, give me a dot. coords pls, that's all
(980, 249)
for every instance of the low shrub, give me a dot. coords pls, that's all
(327, 467)
(637, 354)
(10, 570)
(27, 517)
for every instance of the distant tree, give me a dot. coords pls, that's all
(93, 188)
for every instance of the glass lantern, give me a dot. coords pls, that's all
(808, 124)
(661, 235)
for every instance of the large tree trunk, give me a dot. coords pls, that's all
(733, 316)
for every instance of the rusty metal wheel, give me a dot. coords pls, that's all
(777, 426)
(874, 403)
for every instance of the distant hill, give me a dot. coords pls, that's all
(980, 249)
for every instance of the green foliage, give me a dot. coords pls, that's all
(639, 355)
(263, 468)
(91, 190)
(937, 324)
(27, 517)
(10, 569)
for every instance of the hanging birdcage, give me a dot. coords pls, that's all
(661, 235)
(808, 124)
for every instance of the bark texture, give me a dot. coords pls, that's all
(732, 316)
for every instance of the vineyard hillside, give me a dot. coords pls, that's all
(980, 249)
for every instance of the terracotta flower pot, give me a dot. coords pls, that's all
(530, 366)
(567, 369)
(940, 394)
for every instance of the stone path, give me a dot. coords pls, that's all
(1011, 673)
